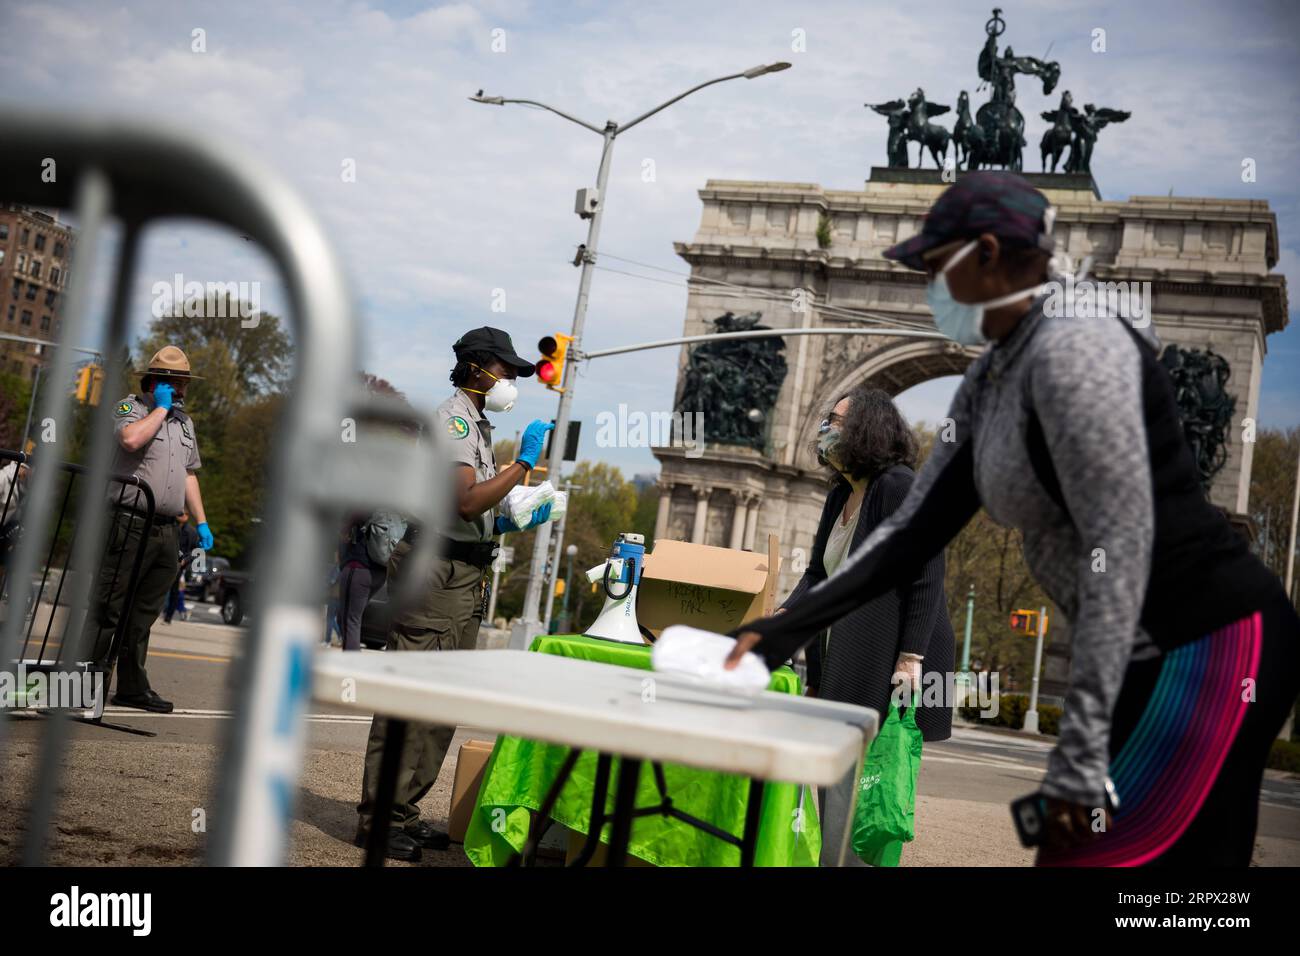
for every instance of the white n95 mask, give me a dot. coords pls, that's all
(501, 396)
(961, 321)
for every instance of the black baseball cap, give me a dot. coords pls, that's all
(993, 201)
(494, 342)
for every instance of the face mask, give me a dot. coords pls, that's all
(960, 321)
(500, 397)
(827, 439)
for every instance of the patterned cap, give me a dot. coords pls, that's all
(986, 201)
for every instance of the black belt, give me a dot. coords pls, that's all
(478, 553)
(161, 520)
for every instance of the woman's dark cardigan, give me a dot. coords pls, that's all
(864, 646)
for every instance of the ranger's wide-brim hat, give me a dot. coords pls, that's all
(169, 362)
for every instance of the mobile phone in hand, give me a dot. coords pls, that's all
(1030, 817)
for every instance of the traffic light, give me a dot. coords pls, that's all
(550, 367)
(1025, 621)
(90, 384)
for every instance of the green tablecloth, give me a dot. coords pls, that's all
(519, 772)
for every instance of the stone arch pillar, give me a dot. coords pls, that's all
(751, 522)
(739, 520)
(700, 529)
(665, 505)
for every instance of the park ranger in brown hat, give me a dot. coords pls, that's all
(156, 443)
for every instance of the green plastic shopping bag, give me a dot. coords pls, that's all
(884, 818)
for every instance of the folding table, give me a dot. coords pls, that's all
(591, 706)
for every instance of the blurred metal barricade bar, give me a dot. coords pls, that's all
(137, 173)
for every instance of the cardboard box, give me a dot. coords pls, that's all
(470, 763)
(716, 589)
(577, 840)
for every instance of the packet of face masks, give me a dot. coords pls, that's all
(520, 502)
(700, 654)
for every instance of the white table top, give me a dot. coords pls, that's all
(604, 707)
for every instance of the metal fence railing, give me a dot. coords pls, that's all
(48, 647)
(324, 462)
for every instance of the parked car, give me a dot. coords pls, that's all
(200, 584)
(230, 590)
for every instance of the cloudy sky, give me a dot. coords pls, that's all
(453, 200)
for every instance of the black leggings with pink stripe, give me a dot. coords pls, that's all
(1190, 736)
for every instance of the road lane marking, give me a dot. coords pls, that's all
(200, 714)
(191, 657)
(981, 762)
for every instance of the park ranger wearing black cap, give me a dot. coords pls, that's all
(451, 603)
(156, 442)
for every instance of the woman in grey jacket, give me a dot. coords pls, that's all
(871, 452)
(1186, 649)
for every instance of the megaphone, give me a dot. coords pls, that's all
(619, 575)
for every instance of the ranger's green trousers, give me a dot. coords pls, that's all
(446, 618)
(157, 572)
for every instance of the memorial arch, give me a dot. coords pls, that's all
(803, 256)
(894, 365)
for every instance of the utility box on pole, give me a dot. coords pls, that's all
(585, 203)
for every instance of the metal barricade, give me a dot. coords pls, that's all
(133, 506)
(323, 464)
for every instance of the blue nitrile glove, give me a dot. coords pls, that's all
(205, 536)
(163, 394)
(532, 442)
(540, 515)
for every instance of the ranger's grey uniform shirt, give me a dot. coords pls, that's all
(469, 438)
(163, 462)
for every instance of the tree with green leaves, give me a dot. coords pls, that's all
(1272, 494)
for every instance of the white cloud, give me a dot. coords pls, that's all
(454, 199)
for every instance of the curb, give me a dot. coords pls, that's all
(1004, 731)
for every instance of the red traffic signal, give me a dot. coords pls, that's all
(550, 367)
(1025, 621)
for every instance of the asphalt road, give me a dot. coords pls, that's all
(131, 799)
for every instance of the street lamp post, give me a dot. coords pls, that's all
(537, 573)
(963, 673)
(1031, 715)
(31, 404)
(569, 552)
(569, 488)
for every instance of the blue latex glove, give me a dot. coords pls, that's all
(164, 395)
(540, 515)
(533, 441)
(205, 536)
